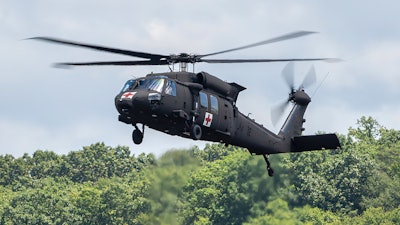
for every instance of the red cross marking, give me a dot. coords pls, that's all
(127, 95)
(208, 119)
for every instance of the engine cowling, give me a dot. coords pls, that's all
(230, 90)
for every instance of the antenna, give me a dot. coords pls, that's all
(320, 84)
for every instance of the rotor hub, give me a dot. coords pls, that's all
(300, 97)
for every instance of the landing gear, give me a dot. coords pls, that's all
(269, 168)
(195, 132)
(137, 135)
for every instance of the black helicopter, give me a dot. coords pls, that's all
(201, 106)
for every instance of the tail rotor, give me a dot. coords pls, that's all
(288, 75)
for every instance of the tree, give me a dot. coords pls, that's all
(275, 212)
(332, 180)
(101, 161)
(317, 216)
(124, 202)
(14, 172)
(47, 203)
(46, 164)
(89, 203)
(167, 181)
(6, 195)
(376, 216)
(223, 190)
(359, 184)
(213, 152)
(368, 130)
(361, 175)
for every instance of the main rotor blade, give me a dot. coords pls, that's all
(114, 63)
(269, 41)
(102, 48)
(264, 60)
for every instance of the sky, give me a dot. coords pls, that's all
(62, 110)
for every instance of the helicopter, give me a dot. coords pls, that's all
(200, 106)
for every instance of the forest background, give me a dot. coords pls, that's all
(358, 184)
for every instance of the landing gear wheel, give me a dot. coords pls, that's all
(137, 136)
(195, 132)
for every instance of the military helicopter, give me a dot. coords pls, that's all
(201, 106)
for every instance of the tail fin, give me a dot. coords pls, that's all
(293, 125)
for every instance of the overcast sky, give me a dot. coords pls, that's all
(47, 108)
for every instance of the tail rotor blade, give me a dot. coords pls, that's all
(277, 112)
(288, 75)
(309, 79)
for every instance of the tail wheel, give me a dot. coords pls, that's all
(270, 171)
(137, 136)
(269, 168)
(196, 132)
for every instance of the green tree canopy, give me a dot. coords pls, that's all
(99, 184)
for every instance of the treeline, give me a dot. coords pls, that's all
(216, 185)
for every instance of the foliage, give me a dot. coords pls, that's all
(47, 203)
(226, 190)
(97, 185)
(358, 184)
(334, 181)
(213, 152)
(167, 182)
(276, 212)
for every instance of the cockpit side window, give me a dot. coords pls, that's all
(203, 99)
(170, 88)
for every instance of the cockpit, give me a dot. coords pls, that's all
(158, 84)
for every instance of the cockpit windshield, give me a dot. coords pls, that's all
(154, 84)
(128, 85)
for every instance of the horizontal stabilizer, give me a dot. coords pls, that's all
(315, 142)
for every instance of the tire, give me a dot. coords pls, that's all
(137, 136)
(196, 132)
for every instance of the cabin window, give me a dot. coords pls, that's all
(170, 88)
(214, 104)
(203, 99)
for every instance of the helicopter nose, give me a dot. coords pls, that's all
(124, 102)
(129, 103)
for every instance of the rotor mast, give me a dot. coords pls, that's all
(183, 66)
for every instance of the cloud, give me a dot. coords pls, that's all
(381, 62)
(82, 111)
(17, 137)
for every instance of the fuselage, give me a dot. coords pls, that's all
(173, 102)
